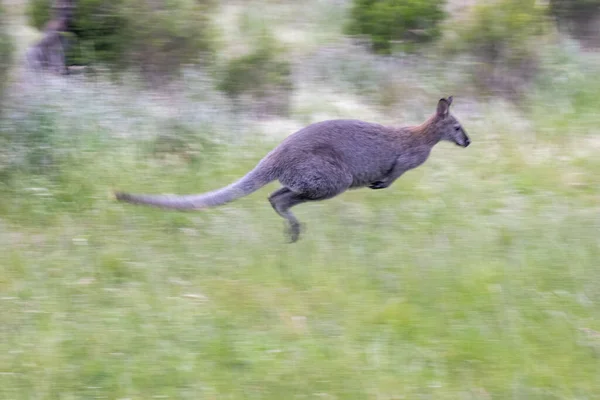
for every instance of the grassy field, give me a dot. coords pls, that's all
(473, 277)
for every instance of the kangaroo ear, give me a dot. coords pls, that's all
(443, 107)
(449, 100)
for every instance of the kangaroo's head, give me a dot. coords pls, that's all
(447, 126)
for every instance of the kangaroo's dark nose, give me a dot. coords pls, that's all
(467, 142)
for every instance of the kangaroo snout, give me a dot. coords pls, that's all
(466, 142)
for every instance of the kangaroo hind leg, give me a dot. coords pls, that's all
(282, 200)
(314, 180)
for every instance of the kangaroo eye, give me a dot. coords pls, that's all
(457, 128)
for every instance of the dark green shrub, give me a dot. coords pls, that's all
(166, 36)
(99, 28)
(38, 12)
(263, 74)
(155, 37)
(574, 10)
(502, 36)
(581, 18)
(6, 50)
(409, 21)
(503, 30)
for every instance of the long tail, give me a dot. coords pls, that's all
(251, 182)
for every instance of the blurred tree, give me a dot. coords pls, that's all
(263, 74)
(501, 35)
(6, 51)
(155, 37)
(581, 18)
(410, 22)
(502, 30)
(39, 12)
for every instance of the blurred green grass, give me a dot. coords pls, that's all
(473, 277)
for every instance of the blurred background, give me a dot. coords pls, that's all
(474, 276)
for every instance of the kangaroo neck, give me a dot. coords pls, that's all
(425, 134)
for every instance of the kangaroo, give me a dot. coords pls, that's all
(49, 52)
(325, 159)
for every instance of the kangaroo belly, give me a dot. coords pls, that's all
(365, 179)
(369, 169)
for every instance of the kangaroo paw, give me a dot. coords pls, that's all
(378, 185)
(293, 232)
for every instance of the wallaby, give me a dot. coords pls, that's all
(49, 52)
(327, 158)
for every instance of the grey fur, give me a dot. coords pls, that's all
(49, 52)
(327, 158)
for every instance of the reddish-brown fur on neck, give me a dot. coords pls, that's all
(426, 131)
(425, 128)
